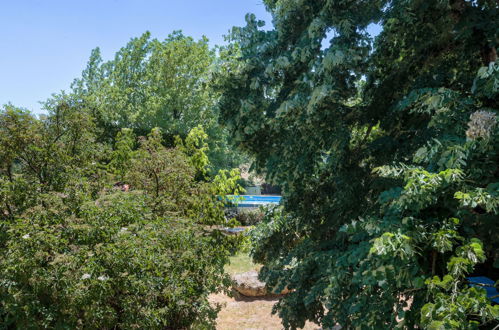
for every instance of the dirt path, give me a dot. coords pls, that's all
(248, 314)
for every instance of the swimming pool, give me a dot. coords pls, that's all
(253, 200)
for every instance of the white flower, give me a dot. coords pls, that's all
(26, 236)
(481, 124)
(86, 276)
(123, 229)
(103, 278)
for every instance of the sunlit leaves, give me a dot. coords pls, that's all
(453, 301)
(487, 198)
(397, 245)
(79, 249)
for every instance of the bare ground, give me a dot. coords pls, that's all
(248, 314)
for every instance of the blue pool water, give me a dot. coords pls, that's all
(487, 284)
(253, 200)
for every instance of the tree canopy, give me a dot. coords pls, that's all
(151, 83)
(155, 83)
(387, 151)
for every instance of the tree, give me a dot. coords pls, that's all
(387, 151)
(152, 83)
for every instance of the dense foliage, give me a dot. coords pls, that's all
(106, 237)
(387, 152)
(152, 83)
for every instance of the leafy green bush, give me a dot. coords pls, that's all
(77, 252)
(117, 265)
(249, 217)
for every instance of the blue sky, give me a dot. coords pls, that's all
(45, 44)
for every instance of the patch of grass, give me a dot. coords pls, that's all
(240, 263)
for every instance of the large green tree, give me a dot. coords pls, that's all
(387, 151)
(156, 83)
(151, 83)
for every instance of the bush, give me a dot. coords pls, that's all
(117, 265)
(249, 217)
(75, 252)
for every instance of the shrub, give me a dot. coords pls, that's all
(249, 217)
(118, 265)
(77, 253)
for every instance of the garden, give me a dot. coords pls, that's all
(306, 174)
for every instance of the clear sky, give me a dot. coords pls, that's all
(45, 44)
